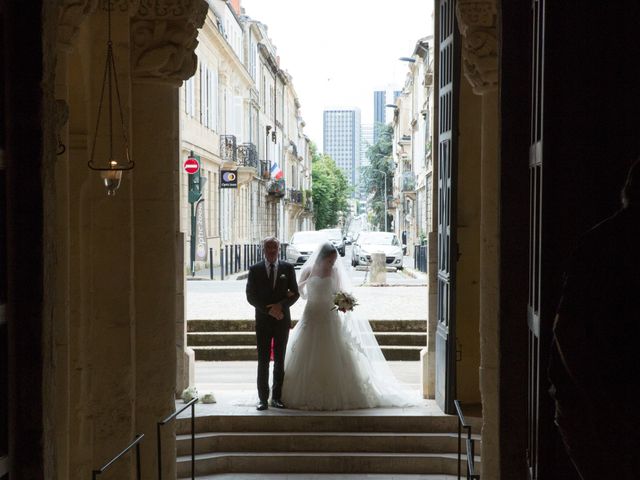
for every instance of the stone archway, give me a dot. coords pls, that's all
(116, 342)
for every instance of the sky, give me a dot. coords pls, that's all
(339, 51)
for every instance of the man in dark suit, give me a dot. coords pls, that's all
(271, 289)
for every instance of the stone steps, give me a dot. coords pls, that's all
(357, 442)
(284, 421)
(234, 340)
(318, 463)
(331, 443)
(203, 339)
(241, 353)
(248, 325)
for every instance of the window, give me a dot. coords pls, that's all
(190, 97)
(204, 95)
(208, 97)
(213, 99)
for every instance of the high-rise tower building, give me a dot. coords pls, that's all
(379, 111)
(342, 140)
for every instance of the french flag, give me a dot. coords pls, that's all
(275, 171)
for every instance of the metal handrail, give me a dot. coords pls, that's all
(471, 468)
(462, 423)
(193, 438)
(135, 443)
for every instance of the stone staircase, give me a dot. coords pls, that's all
(224, 340)
(330, 443)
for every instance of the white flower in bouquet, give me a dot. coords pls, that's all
(344, 301)
(189, 394)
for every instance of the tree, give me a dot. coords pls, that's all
(330, 189)
(373, 181)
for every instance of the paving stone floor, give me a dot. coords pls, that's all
(316, 476)
(233, 385)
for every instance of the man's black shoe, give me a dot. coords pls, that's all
(277, 404)
(262, 406)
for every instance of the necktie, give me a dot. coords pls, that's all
(272, 268)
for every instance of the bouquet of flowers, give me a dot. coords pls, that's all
(344, 301)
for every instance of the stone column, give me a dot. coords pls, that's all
(70, 15)
(428, 354)
(103, 322)
(163, 39)
(477, 21)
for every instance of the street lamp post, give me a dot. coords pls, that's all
(386, 218)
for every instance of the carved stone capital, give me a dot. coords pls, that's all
(163, 39)
(478, 23)
(71, 14)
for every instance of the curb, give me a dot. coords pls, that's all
(239, 276)
(410, 272)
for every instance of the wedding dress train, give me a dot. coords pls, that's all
(334, 361)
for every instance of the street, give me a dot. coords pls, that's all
(404, 297)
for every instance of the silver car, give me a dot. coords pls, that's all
(303, 244)
(370, 242)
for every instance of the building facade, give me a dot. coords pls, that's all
(342, 140)
(412, 201)
(240, 117)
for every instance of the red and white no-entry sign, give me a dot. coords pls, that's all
(191, 165)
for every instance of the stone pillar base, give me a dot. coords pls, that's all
(187, 358)
(427, 373)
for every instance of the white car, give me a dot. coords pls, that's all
(370, 242)
(336, 238)
(303, 244)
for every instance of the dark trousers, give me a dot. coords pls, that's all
(278, 330)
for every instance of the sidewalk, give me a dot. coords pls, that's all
(206, 300)
(408, 262)
(205, 274)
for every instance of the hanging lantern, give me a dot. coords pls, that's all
(111, 170)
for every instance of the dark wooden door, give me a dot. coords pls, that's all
(536, 377)
(448, 70)
(4, 345)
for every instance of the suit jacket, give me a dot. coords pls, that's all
(260, 292)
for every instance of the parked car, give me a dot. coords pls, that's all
(336, 237)
(370, 242)
(303, 244)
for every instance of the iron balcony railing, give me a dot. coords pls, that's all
(308, 204)
(277, 188)
(295, 196)
(228, 148)
(408, 182)
(248, 155)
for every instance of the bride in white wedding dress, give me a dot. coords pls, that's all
(333, 360)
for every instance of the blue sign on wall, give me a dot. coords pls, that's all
(228, 179)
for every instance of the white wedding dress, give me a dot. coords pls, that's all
(333, 360)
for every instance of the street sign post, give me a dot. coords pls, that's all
(191, 165)
(196, 182)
